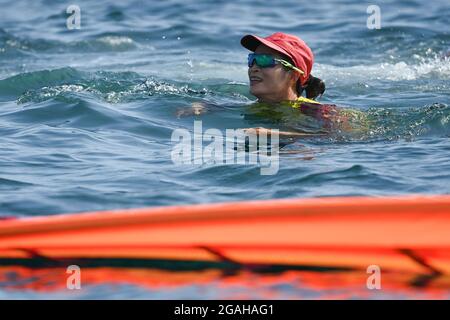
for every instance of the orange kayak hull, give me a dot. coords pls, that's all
(409, 234)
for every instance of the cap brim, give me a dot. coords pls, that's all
(251, 42)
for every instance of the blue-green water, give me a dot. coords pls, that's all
(86, 115)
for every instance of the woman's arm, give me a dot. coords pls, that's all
(285, 134)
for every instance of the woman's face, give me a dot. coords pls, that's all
(273, 84)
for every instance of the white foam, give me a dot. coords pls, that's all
(116, 40)
(436, 67)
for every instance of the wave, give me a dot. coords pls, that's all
(11, 45)
(391, 123)
(112, 87)
(417, 67)
(88, 92)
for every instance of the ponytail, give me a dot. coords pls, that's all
(314, 87)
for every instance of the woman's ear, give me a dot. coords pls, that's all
(295, 76)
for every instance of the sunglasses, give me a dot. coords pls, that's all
(267, 61)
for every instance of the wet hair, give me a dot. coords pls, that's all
(314, 87)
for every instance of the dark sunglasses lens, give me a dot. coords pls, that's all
(250, 59)
(264, 61)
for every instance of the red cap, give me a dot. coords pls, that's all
(289, 45)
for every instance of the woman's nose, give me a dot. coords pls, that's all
(254, 67)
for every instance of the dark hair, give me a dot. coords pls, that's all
(314, 87)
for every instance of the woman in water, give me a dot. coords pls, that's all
(279, 70)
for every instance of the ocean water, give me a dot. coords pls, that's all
(87, 115)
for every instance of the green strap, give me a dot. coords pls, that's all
(301, 100)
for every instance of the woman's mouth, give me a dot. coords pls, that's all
(254, 80)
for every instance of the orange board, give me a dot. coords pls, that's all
(409, 234)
